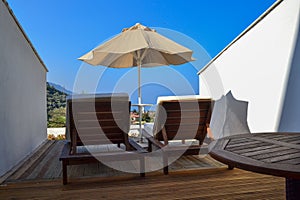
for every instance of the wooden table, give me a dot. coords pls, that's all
(275, 154)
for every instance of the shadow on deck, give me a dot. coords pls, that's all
(191, 177)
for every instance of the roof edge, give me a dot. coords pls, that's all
(24, 34)
(260, 18)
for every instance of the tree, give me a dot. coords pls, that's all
(57, 117)
(146, 117)
(56, 107)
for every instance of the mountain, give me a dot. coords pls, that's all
(60, 88)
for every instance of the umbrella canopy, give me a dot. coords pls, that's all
(138, 45)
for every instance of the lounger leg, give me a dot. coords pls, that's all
(166, 170)
(165, 163)
(230, 167)
(149, 146)
(64, 171)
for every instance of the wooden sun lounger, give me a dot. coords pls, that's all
(179, 119)
(79, 159)
(99, 120)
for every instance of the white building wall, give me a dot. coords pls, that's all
(291, 107)
(23, 118)
(256, 67)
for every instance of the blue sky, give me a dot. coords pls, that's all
(62, 31)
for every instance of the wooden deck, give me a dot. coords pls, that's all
(45, 164)
(190, 177)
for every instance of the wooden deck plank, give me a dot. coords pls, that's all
(213, 162)
(189, 179)
(125, 166)
(55, 168)
(54, 171)
(38, 170)
(154, 163)
(93, 168)
(198, 184)
(191, 162)
(48, 166)
(32, 160)
(195, 159)
(50, 161)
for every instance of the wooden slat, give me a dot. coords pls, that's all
(185, 120)
(290, 161)
(30, 161)
(184, 127)
(187, 113)
(98, 123)
(255, 149)
(259, 138)
(91, 130)
(263, 151)
(245, 144)
(186, 105)
(211, 184)
(273, 153)
(248, 147)
(98, 106)
(238, 140)
(99, 142)
(99, 115)
(282, 157)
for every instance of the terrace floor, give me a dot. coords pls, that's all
(191, 177)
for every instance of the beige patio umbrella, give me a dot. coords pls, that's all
(138, 46)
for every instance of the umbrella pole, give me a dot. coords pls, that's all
(140, 101)
(139, 85)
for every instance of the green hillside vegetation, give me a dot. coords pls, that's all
(56, 107)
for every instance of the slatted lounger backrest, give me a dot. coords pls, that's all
(96, 120)
(182, 119)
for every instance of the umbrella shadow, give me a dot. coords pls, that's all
(229, 117)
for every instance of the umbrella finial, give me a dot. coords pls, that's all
(138, 26)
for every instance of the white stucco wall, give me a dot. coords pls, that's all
(256, 68)
(23, 118)
(290, 117)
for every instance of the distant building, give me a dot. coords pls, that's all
(262, 67)
(23, 117)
